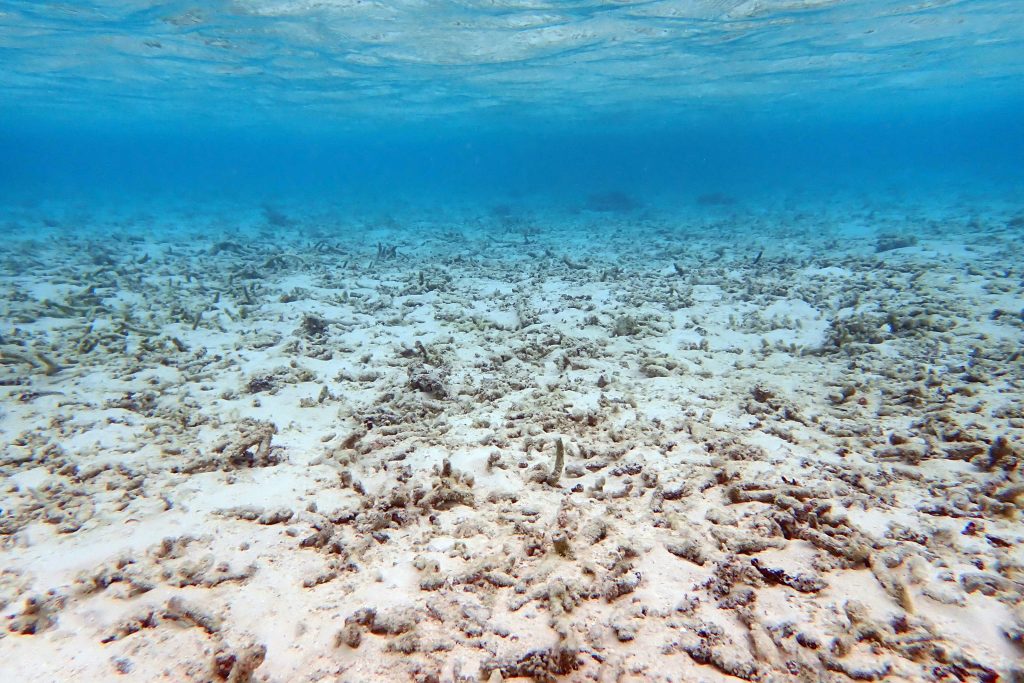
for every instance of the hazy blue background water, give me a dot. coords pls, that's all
(366, 104)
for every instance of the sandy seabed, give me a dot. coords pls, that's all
(764, 445)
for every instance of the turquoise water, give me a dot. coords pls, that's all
(367, 104)
(353, 341)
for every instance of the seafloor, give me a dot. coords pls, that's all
(289, 444)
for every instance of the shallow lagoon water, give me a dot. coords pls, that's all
(352, 341)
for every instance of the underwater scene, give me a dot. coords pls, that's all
(664, 340)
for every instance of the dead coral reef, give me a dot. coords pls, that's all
(891, 241)
(549, 454)
(611, 201)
